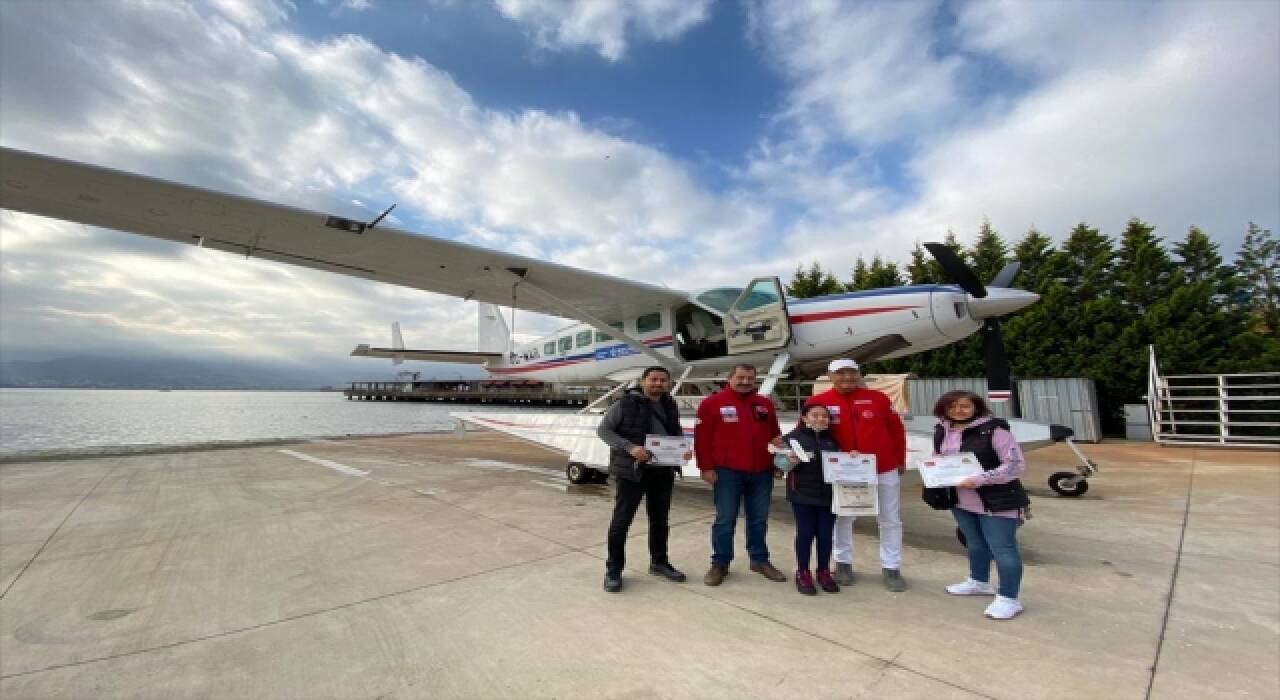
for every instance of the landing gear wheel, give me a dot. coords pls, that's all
(1069, 484)
(960, 536)
(578, 473)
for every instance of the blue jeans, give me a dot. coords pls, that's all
(733, 488)
(990, 537)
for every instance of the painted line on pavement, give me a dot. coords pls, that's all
(337, 467)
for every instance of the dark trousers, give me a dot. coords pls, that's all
(655, 488)
(813, 523)
(752, 491)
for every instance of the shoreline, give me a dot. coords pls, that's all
(68, 454)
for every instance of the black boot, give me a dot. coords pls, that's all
(612, 582)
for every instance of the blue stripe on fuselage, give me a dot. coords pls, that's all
(887, 292)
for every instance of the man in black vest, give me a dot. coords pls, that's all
(649, 410)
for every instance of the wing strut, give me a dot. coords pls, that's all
(571, 311)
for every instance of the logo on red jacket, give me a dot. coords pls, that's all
(835, 414)
(729, 414)
(762, 413)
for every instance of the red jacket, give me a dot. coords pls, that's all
(865, 421)
(733, 431)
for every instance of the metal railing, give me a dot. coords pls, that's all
(1236, 410)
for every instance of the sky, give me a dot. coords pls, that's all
(689, 143)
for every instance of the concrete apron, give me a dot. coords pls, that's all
(446, 567)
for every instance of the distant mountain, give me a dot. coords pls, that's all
(169, 372)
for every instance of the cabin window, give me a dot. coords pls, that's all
(566, 344)
(605, 337)
(763, 293)
(648, 323)
(583, 339)
(549, 348)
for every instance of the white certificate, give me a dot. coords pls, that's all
(667, 449)
(939, 472)
(855, 498)
(841, 466)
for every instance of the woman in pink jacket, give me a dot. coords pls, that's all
(989, 505)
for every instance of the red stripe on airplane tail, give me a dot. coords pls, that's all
(999, 395)
(845, 313)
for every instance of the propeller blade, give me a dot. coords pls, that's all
(996, 360)
(957, 270)
(1004, 278)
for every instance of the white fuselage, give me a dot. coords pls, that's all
(925, 316)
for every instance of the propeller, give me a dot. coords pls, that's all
(988, 305)
(957, 270)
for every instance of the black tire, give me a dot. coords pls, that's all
(578, 473)
(599, 477)
(1062, 484)
(964, 542)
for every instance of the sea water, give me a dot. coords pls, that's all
(42, 421)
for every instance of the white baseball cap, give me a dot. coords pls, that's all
(842, 363)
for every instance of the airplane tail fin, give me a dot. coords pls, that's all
(493, 333)
(397, 343)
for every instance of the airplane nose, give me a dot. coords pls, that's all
(1001, 301)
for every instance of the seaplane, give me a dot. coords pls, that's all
(619, 325)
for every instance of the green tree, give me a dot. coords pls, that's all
(989, 253)
(1035, 252)
(1143, 267)
(923, 269)
(1258, 263)
(878, 275)
(813, 282)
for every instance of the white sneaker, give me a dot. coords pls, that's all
(971, 587)
(1003, 608)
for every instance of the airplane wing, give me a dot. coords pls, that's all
(457, 357)
(97, 196)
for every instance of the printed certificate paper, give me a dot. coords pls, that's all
(853, 483)
(939, 472)
(667, 449)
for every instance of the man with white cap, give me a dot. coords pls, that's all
(863, 421)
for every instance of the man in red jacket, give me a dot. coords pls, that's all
(863, 421)
(731, 438)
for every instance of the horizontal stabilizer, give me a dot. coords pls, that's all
(458, 356)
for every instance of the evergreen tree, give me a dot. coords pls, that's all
(859, 279)
(879, 275)
(1142, 267)
(1086, 262)
(1199, 256)
(1035, 252)
(814, 282)
(1258, 263)
(923, 269)
(988, 254)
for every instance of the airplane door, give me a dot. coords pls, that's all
(757, 320)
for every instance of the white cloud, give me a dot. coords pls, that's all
(605, 26)
(314, 124)
(1167, 112)
(255, 14)
(867, 73)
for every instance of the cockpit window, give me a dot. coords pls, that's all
(720, 299)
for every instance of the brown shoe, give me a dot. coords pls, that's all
(715, 575)
(768, 571)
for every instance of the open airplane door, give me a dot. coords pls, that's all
(757, 321)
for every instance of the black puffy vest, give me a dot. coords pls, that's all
(637, 424)
(977, 439)
(805, 484)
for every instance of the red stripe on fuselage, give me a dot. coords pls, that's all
(844, 313)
